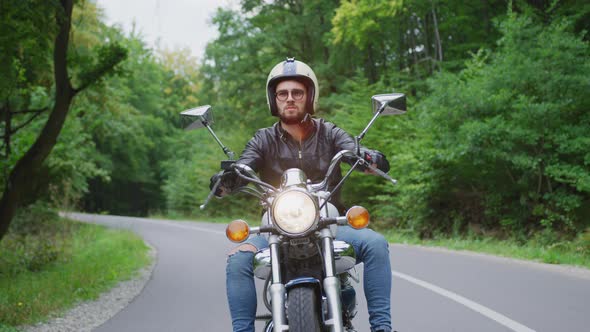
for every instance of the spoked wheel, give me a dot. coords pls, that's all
(302, 310)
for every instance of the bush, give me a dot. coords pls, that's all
(33, 219)
(582, 243)
(36, 238)
(505, 143)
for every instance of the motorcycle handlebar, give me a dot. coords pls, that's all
(262, 229)
(240, 169)
(326, 221)
(248, 174)
(350, 154)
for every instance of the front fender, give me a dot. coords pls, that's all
(303, 281)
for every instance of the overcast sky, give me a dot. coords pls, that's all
(176, 23)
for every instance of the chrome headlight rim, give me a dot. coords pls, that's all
(279, 223)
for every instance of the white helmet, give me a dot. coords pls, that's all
(292, 69)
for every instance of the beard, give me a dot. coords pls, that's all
(292, 119)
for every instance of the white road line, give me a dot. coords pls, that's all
(491, 314)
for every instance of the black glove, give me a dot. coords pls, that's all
(378, 158)
(212, 183)
(228, 182)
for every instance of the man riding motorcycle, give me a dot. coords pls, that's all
(302, 141)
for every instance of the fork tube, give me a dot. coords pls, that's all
(331, 283)
(277, 288)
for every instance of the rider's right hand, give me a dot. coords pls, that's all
(228, 180)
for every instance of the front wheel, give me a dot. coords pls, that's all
(303, 310)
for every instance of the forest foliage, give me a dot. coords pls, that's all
(496, 140)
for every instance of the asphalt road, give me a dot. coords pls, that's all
(433, 290)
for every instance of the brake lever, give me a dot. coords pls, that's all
(211, 193)
(378, 171)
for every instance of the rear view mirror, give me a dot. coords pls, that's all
(197, 117)
(200, 117)
(389, 104)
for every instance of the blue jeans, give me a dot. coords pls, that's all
(371, 249)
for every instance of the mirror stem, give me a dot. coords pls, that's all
(362, 135)
(230, 154)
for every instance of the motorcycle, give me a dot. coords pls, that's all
(306, 271)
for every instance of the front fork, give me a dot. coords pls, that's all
(277, 287)
(331, 285)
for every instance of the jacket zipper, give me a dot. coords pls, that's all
(300, 157)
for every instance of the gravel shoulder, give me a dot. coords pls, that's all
(88, 315)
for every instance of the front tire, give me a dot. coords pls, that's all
(303, 310)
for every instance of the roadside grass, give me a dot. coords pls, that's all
(575, 253)
(47, 271)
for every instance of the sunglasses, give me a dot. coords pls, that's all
(283, 95)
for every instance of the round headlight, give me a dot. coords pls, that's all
(295, 212)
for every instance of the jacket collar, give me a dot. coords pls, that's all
(310, 126)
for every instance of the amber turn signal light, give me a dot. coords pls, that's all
(237, 231)
(358, 217)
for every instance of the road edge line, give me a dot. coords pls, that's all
(483, 310)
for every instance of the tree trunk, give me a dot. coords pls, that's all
(400, 46)
(20, 180)
(7, 129)
(485, 10)
(436, 34)
(428, 58)
(325, 49)
(370, 65)
(413, 46)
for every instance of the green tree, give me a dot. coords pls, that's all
(128, 132)
(412, 39)
(22, 176)
(23, 96)
(510, 134)
(369, 28)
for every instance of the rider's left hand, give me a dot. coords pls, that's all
(378, 160)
